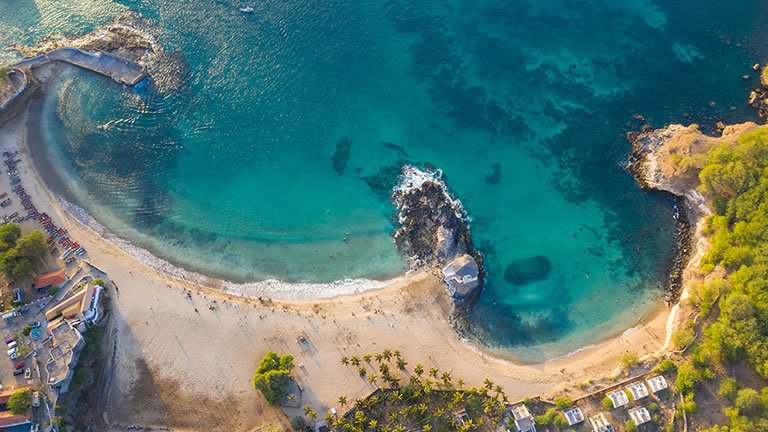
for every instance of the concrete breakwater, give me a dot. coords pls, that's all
(23, 83)
(118, 68)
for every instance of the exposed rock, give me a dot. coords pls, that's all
(526, 270)
(341, 155)
(656, 164)
(758, 98)
(433, 230)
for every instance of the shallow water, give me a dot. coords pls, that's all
(244, 173)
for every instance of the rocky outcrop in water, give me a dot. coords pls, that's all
(434, 232)
(341, 155)
(526, 270)
(758, 98)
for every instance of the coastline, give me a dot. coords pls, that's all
(154, 326)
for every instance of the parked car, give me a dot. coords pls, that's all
(20, 364)
(8, 340)
(15, 355)
(12, 345)
(27, 373)
(18, 372)
(12, 351)
(35, 324)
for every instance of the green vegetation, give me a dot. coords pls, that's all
(53, 290)
(629, 360)
(421, 400)
(20, 401)
(552, 417)
(298, 424)
(26, 330)
(607, 403)
(563, 402)
(19, 254)
(273, 377)
(734, 177)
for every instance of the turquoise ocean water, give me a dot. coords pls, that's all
(523, 104)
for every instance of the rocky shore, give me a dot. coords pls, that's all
(434, 232)
(661, 161)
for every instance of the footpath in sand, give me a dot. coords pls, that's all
(186, 361)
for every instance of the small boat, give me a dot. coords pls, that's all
(246, 9)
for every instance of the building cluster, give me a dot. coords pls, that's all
(620, 398)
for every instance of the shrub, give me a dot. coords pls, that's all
(563, 402)
(273, 377)
(298, 423)
(26, 330)
(629, 360)
(688, 378)
(630, 426)
(607, 403)
(53, 290)
(665, 365)
(20, 402)
(728, 389)
(682, 338)
(689, 405)
(748, 402)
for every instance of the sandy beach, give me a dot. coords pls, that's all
(186, 363)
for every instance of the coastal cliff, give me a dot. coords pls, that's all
(434, 233)
(667, 160)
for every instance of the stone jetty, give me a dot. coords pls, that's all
(18, 83)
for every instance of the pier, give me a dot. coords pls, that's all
(20, 83)
(118, 68)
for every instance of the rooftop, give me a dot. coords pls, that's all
(619, 398)
(638, 390)
(66, 343)
(657, 383)
(574, 415)
(52, 278)
(640, 415)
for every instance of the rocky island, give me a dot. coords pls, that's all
(434, 232)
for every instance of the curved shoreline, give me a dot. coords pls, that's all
(275, 289)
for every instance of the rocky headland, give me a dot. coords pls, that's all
(666, 159)
(434, 232)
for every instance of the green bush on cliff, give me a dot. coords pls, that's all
(273, 377)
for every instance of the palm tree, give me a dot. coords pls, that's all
(460, 383)
(378, 357)
(446, 378)
(401, 364)
(433, 372)
(372, 378)
(367, 358)
(397, 354)
(419, 369)
(342, 400)
(373, 424)
(488, 384)
(387, 354)
(345, 361)
(355, 360)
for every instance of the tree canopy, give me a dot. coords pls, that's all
(20, 254)
(273, 377)
(734, 177)
(20, 402)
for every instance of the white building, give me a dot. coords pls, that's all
(640, 415)
(638, 390)
(657, 383)
(523, 419)
(619, 398)
(574, 415)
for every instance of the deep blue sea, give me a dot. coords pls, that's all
(523, 104)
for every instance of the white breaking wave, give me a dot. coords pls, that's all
(271, 288)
